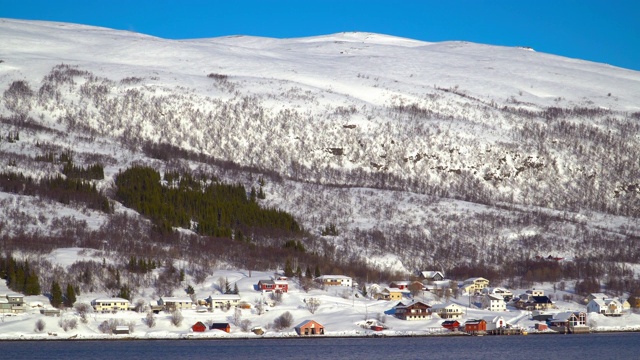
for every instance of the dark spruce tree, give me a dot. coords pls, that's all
(56, 295)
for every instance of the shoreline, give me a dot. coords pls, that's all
(51, 337)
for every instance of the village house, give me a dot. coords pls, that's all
(448, 311)
(506, 294)
(12, 304)
(273, 285)
(107, 305)
(219, 301)
(474, 285)
(569, 322)
(309, 328)
(604, 305)
(400, 285)
(535, 292)
(413, 311)
(389, 294)
(534, 303)
(494, 323)
(170, 303)
(493, 303)
(431, 275)
(335, 280)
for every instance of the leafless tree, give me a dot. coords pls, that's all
(259, 306)
(176, 318)
(245, 325)
(237, 317)
(150, 320)
(312, 304)
(283, 321)
(40, 325)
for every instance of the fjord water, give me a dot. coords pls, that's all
(566, 347)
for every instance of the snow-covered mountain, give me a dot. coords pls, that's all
(421, 154)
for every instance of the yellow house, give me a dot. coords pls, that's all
(389, 294)
(110, 304)
(474, 285)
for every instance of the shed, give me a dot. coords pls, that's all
(226, 327)
(309, 327)
(475, 326)
(121, 329)
(452, 325)
(199, 327)
(50, 312)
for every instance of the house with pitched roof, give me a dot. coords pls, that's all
(604, 305)
(415, 310)
(493, 303)
(389, 294)
(447, 311)
(335, 280)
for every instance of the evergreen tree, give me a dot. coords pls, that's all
(56, 295)
(288, 270)
(190, 290)
(32, 285)
(227, 286)
(364, 290)
(307, 273)
(299, 272)
(70, 296)
(235, 289)
(317, 272)
(125, 292)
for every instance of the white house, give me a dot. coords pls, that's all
(335, 280)
(171, 303)
(114, 304)
(431, 275)
(223, 300)
(493, 303)
(605, 306)
(494, 322)
(448, 311)
(507, 295)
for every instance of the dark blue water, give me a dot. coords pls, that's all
(585, 346)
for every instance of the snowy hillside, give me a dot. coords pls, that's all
(422, 155)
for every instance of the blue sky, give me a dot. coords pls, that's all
(602, 31)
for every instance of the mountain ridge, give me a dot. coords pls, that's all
(407, 149)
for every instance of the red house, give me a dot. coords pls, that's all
(199, 327)
(402, 285)
(452, 325)
(273, 285)
(475, 326)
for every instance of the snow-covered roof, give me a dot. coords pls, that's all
(401, 282)
(429, 274)
(183, 299)
(445, 306)
(305, 323)
(493, 319)
(327, 277)
(225, 297)
(110, 300)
